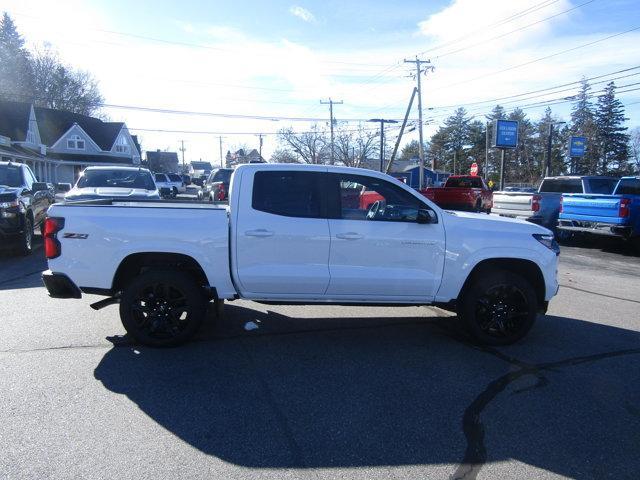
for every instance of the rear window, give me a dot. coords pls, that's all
(160, 177)
(464, 182)
(604, 186)
(222, 176)
(561, 185)
(290, 194)
(117, 179)
(629, 186)
(10, 175)
(175, 178)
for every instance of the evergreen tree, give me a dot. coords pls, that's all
(611, 133)
(583, 124)
(16, 74)
(410, 150)
(457, 138)
(560, 163)
(497, 113)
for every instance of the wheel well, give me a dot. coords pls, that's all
(137, 263)
(525, 268)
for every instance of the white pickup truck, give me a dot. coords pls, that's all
(300, 234)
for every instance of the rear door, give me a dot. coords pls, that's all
(282, 233)
(381, 252)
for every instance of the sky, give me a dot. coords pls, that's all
(278, 59)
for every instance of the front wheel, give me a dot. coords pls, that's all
(162, 308)
(498, 308)
(25, 245)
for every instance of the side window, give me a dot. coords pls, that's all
(29, 177)
(288, 193)
(26, 177)
(369, 198)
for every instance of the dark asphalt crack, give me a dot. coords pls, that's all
(599, 294)
(475, 456)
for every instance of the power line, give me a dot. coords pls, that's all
(539, 59)
(524, 27)
(504, 21)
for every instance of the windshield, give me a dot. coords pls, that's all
(117, 179)
(10, 175)
(175, 178)
(161, 177)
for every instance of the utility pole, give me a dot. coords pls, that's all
(419, 72)
(382, 122)
(221, 164)
(486, 154)
(182, 149)
(331, 103)
(404, 124)
(547, 169)
(260, 137)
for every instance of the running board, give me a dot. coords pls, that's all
(105, 303)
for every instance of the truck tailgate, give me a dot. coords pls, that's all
(512, 204)
(592, 208)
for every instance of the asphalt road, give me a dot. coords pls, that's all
(325, 392)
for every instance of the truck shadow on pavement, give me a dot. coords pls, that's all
(367, 392)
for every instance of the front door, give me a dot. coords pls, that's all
(282, 233)
(378, 250)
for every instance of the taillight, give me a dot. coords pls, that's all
(52, 247)
(222, 192)
(535, 203)
(624, 210)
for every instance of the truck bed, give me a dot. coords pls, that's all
(102, 233)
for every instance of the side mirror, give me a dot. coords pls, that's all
(63, 187)
(39, 187)
(426, 216)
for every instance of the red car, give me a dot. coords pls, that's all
(462, 192)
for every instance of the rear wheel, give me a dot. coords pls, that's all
(498, 308)
(478, 207)
(162, 308)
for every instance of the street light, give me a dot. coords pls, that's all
(382, 122)
(547, 169)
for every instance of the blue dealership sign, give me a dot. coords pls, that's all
(506, 134)
(577, 146)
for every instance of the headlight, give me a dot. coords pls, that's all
(548, 241)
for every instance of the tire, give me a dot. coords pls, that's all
(498, 307)
(174, 193)
(25, 244)
(146, 308)
(563, 236)
(478, 207)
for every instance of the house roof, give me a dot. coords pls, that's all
(14, 120)
(201, 165)
(54, 123)
(72, 157)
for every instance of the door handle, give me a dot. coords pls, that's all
(349, 236)
(259, 233)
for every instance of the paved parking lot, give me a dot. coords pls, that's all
(325, 392)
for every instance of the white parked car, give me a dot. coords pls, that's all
(166, 188)
(177, 182)
(123, 183)
(301, 234)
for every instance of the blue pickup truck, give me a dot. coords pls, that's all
(616, 215)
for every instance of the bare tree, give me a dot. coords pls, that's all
(310, 147)
(634, 147)
(352, 147)
(62, 87)
(283, 155)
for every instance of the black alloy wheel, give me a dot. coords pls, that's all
(25, 246)
(162, 308)
(498, 307)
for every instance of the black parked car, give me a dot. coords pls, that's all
(23, 205)
(216, 187)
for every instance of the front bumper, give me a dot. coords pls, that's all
(59, 285)
(11, 230)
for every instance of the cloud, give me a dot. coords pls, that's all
(302, 13)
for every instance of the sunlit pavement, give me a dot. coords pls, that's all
(325, 392)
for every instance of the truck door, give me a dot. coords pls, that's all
(382, 251)
(282, 233)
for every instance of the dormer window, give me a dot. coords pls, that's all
(121, 145)
(75, 142)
